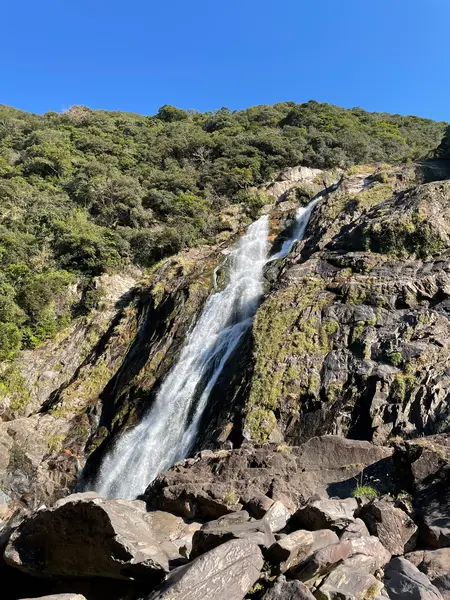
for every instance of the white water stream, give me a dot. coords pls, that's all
(169, 430)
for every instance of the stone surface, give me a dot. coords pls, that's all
(228, 572)
(322, 562)
(259, 505)
(288, 590)
(404, 581)
(436, 566)
(369, 553)
(346, 584)
(277, 517)
(199, 487)
(355, 529)
(58, 597)
(393, 527)
(85, 536)
(426, 462)
(231, 527)
(327, 513)
(294, 548)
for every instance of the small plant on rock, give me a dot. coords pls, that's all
(365, 491)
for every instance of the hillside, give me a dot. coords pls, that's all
(87, 192)
(224, 348)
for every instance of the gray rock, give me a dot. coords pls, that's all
(292, 549)
(355, 529)
(322, 562)
(346, 584)
(369, 553)
(436, 566)
(288, 590)
(327, 513)
(85, 536)
(277, 516)
(228, 572)
(394, 528)
(196, 488)
(404, 581)
(231, 527)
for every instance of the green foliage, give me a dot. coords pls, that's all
(86, 192)
(365, 491)
(444, 149)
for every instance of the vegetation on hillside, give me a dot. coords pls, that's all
(84, 192)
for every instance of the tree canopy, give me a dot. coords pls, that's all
(85, 191)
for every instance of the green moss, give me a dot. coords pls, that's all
(13, 386)
(374, 195)
(55, 442)
(396, 358)
(260, 423)
(290, 339)
(407, 235)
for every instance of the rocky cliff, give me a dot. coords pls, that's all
(351, 337)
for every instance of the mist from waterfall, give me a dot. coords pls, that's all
(169, 430)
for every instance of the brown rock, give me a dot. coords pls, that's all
(292, 549)
(404, 581)
(322, 562)
(231, 527)
(327, 513)
(396, 531)
(85, 536)
(436, 566)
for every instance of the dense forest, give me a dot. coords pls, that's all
(85, 192)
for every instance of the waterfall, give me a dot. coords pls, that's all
(169, 430)
(302, 216)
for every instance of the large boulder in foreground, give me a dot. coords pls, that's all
(86, 536)
(228, 571)
(404, 581)
(216, 483)
(436, 566)
(394, 528)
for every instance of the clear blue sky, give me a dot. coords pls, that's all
(136, 55)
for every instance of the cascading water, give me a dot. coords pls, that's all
(169, 430)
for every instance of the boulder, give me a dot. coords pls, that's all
(355, 529)
(322, 562)
(228, 571)
(426, 461)
(404, 581)
(231, 527)
(292, 549)
(393, 527)
(259, 505)
(277, 516)
(345, 584)
(58, 597)
(327, 513)
(369, 554)
(86, 536)
(288, 590)
(216, 483)
(436, 566)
